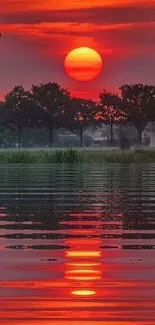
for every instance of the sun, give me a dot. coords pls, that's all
(83, 64)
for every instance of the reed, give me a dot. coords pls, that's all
(50, 156)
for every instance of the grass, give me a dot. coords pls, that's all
(76, 156)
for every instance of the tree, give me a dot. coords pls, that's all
(138, 103)
(110, 111)
(81, 114)
(2, 110)
(17, 111)
(1, 107)
(52, 102)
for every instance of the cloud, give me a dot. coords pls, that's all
(98, 15)
(26, 5)
(112, 30)
(58, 38)
(36, 36)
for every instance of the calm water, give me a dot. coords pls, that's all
(77, 245)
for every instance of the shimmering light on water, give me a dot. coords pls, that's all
(83, 254)
(83, 292)
(77, 245)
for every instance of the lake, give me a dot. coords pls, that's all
(77, 244)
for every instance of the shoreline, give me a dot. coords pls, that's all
(76, 155)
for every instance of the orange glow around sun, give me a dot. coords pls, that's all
(83, 64)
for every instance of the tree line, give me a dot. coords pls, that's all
(51, 106)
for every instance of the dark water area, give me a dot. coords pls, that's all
(77, 245)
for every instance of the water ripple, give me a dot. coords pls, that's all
(77, 244)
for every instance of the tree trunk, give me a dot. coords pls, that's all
(81, 135)
(111, 134)
(51, 138)
(19, 138)
(140, 136)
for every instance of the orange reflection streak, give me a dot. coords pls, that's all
(70, 322)
(83, 242)
(83, 252)
(83, 264)
(83, 292)
(64, 284)
(82, 278)
(83, 231)
(83, 274)
(83, 271)
(84, 222)
(22, 302)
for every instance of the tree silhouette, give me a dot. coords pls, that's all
(81, 114)
(17, 111)
(139, 104)
(49, 105)
(110, 111)
(52, 102)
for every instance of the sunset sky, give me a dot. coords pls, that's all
(38, 34)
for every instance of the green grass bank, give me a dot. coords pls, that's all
(76, 156)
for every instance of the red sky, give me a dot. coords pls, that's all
(36, 36)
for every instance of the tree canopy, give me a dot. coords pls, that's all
(17, 110)
(50, 106)
(51, 102)
(139, 104)
(110, 110)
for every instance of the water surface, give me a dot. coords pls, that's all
(77, 245)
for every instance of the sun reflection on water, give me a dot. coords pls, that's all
(83, 267)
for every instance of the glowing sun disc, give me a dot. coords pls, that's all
(83, 64)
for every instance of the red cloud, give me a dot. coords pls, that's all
(36, 38)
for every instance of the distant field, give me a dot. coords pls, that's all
(81, 155)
